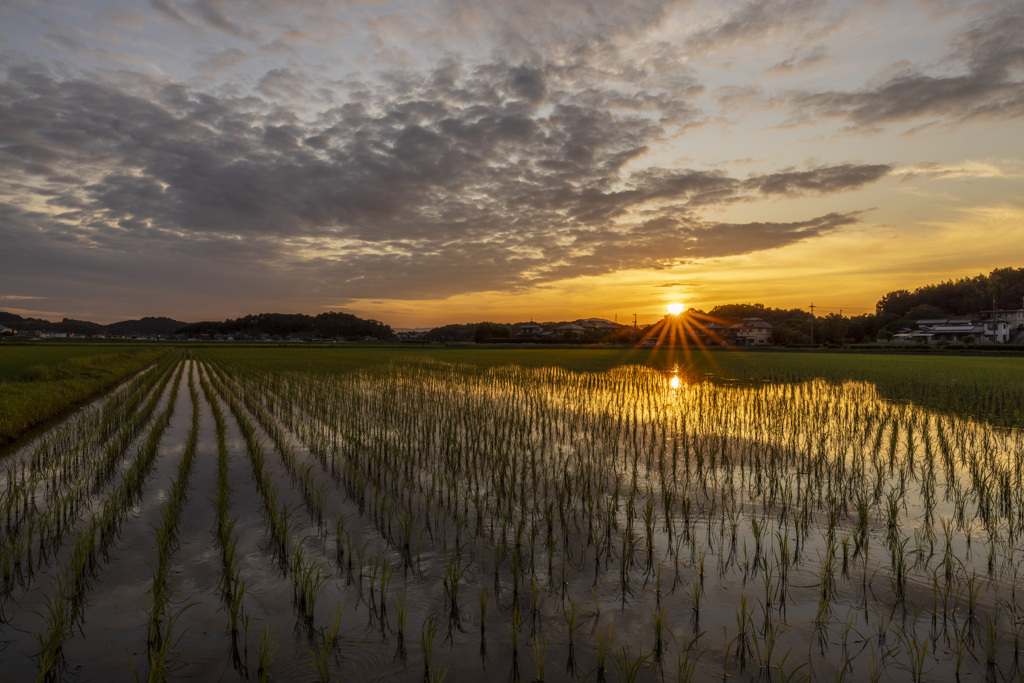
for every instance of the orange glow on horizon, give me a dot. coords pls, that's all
(684, 331)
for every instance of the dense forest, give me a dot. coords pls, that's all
(1003, 288)
(323, 326)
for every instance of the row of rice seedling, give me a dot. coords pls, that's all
(52, 483)
(232, 585)
(289, 545)
(563, 484)
(161, 611)
(360, 560)
(66, 599)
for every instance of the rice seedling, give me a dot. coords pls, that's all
(540, 653)
(917, 651)
(265, 658)
(537, 478)
(628, 666)
(744, 631)
(483, 609)
(604, 639)
(428, 634)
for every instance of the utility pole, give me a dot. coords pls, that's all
(812, 323)
(634, 320)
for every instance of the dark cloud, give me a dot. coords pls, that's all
(468, 179)
(530, 27)
(221, 60)
(281, 83)
(212, 12)
(801, 59)
(666, 242)
(822, 180)
(168, 8)
(764, 21)
(984, 79)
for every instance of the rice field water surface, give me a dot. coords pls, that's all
(325, 514)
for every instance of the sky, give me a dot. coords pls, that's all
(440, 161)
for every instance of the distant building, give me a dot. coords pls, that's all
(570, 330)
(752, 332)
(1014, 318)
(955, 331)
(598, 324)
(530, 329)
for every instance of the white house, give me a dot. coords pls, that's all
(935, 330)
(1014, 318)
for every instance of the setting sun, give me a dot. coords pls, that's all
(675, 309)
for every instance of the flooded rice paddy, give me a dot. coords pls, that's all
(425, 520)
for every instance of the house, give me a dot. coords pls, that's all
(599, 324)
(752, 332)
(570, 330)
(1014, 318)
(530, 329)
(711, 333)
(997, 330)
(955, 331)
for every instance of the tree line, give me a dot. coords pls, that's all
(331, 325)
(1003, 288)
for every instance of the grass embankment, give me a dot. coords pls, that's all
(38, 382)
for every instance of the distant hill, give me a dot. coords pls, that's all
(144, 327)
(325, 326)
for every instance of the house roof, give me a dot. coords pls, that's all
(757, 323)
(944, 321)
(599, 323)
(952, 329)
